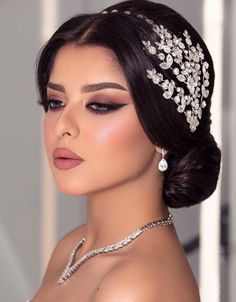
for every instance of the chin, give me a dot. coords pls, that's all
(71, 189)
(75, 187)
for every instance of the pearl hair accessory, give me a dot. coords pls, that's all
(186, 62)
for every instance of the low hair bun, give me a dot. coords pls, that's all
(193, 178)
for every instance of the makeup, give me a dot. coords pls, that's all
(66, 159)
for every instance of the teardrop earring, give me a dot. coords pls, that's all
(163, 165)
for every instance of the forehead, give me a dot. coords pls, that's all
(86, 61)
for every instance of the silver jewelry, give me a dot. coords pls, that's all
(163, 165)
(186, 61)
(72, 268)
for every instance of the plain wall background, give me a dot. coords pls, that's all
(21, 147)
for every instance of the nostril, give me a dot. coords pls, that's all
(68, 133)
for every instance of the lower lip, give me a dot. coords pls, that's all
(64, 164)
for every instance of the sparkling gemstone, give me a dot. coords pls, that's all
(152, 50)
(168, 63)
(188, 41)
(163, 165)
(164, 85)
(200, 113)
(161, 56)
(151, 73)
(185, 33)
(196, 58)
(176, 40)
(156, 79)
(206, 75)
(206, 93)
(177, 99)
(160, 76)
(167, 49)
(168, 94)
(181, 78)
(176, 71)
(177, 60)
(180, 108)
(188, 101)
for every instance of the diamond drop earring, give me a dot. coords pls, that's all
(162, 165)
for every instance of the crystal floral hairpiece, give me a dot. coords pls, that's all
(190, 68)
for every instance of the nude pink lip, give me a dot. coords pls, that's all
(66, 159)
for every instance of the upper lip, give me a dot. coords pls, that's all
(65, 153)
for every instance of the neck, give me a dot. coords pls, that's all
(115, 213)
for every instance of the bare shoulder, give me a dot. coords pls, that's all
(146, 280)
(62, 251)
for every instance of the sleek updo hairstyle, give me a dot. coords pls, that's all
(193, 157)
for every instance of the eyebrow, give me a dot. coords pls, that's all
(89, 87)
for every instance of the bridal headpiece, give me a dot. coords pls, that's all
(186, 62)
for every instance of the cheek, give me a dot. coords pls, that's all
(122, 139)
(119, 150)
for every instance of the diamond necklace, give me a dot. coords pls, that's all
(71, 269)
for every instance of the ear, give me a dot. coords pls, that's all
(160, 150)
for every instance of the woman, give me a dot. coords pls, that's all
(127, 96)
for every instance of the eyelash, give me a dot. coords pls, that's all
(109, 107)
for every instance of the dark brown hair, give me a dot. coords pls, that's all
(193, 157)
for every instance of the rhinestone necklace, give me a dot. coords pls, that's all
(70, 268)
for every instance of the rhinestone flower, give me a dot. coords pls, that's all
(186, 62)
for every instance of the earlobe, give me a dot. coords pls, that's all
(161, 150)
(158, 149)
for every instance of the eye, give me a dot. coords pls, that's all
(51, 104)
(55, 104)
(103, 108)
(95, 107)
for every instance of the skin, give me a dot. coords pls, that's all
(123, 186)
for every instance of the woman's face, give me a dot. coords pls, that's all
(92, 114)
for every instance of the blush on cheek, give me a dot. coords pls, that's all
(122, 134)
(109, 132)
(121, 128)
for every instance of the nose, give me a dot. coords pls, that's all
(67, 123)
